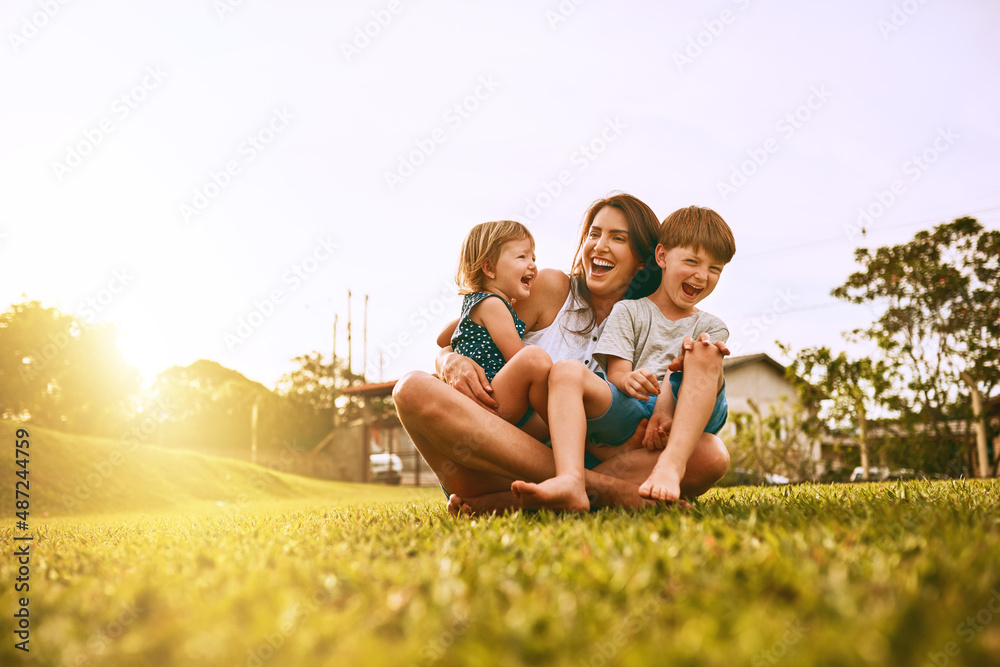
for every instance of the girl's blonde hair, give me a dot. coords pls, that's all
(484, 244)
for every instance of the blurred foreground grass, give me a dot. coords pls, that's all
(881, 574)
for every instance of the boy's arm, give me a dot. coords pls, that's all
(639, 383)
(660, 421)
(493, 314)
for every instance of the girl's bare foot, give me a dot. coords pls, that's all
(558, 493)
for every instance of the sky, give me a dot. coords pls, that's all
(214, 176)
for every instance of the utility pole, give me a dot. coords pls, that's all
(364, 360)
(350, 357)
(253, 433)
(333, 372)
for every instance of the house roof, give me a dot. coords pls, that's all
(370, 389)
(732, 363)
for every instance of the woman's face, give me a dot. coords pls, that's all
(608, 261)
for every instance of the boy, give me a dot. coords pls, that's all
(640, 339)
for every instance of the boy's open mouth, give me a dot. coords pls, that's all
(526, 281)
(691, 290)
(600, 266)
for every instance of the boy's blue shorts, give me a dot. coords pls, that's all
(620, 420)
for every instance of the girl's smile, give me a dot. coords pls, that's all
(514, 271)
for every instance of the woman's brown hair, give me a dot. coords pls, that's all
(643, 228)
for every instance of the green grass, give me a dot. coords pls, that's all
(73, 475)
(879, 574)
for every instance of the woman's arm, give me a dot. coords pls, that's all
(548, 293)
(466, 376)
(444, 338)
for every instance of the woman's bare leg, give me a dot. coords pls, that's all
(474, 453)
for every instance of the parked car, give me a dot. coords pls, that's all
(385, 467)
(749, 477)
(882, 474)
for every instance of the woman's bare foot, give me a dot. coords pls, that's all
(457, 506)
(558, 493)
(488, 503)
(664, 483)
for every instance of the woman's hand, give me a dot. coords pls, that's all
(467, 377)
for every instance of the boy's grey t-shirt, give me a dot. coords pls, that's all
(636, 329)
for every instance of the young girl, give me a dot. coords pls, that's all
(498, 260)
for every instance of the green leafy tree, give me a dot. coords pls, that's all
(778, 442)
(208, 407)
(316, 386)
(842, 392)
(58, 371)
(939, 297)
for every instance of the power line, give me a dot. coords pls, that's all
(865, 233)
(815, 306)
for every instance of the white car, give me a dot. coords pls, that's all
(385, 467)
(882, 474)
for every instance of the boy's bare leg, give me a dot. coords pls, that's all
(695, 401)
(575, 393)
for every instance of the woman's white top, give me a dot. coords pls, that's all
(560, 342)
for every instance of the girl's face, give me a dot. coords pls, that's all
(609, 264)
(514, 270)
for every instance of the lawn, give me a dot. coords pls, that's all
(903, 573)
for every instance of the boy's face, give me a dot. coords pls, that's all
(689, 274)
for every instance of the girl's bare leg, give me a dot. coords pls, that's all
(523, 383)
(575, 393)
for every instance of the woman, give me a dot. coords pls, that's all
(476, 454)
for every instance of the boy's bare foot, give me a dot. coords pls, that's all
(663, 484)
(558, 493)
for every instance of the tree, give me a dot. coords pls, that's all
(208, 407)
(317, 385)
(58, 371)
(940, 325)
(841, 391)
(779, 442)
